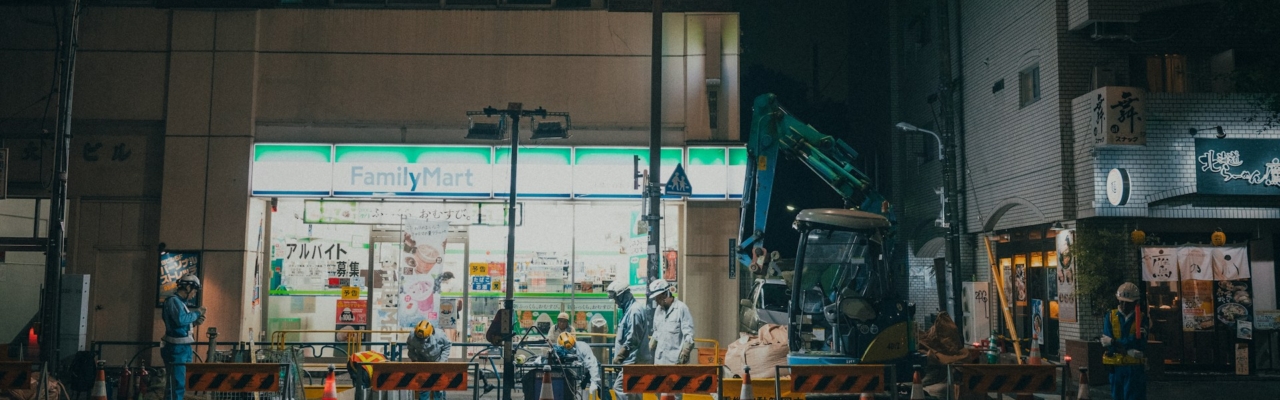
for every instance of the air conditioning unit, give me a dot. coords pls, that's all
(1112, 31)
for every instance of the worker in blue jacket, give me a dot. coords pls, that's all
(177, 334)
(1123, 342)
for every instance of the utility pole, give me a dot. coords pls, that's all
(949, 168)
(654, 189)
(51, 301)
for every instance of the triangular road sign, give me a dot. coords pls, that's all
(678, 184)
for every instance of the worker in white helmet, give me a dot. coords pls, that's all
(1123, 341)
(631, 333)
(177, 339)
(672, 341)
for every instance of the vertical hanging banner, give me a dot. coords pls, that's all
(1230, 263)
(1159, 264)
(1066, 276)
(422, 266)
(1194, 263)
(1119, 116)
(1020, 283)
(1037, 320)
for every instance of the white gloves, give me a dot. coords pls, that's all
(593, 389)
(1106, 341)
(1135, 354)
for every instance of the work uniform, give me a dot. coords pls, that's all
(590, 363)
(1128, 373)
(433, 348)
(177, 343)
(672, 332)
(632, 333)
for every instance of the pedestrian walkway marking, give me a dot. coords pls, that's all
(16, 375)
(838, 379)
(1007, 378)
(670, 378)
(420, 376)
(233, 377)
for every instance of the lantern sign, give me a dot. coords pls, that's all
(1138, 236)
(1118, 116)
(1218, 238)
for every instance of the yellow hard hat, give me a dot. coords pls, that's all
(567, 340)
(424, 329)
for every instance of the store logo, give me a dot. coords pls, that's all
(404, 176)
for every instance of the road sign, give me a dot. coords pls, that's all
(678, 184)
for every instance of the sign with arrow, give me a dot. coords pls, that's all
(678, 184)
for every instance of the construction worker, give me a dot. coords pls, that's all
(1123, 341)
(177, 333)
(631, 333)
(570, 350)
(562, 326)
(426, 344)
(672, 341)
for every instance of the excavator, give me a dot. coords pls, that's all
(837, 301)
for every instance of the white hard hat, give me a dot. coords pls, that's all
(658, 287)
(563, 315)
(1127, 292)
(189, 280)
(618, 286)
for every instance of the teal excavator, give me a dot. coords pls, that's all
(838, 302)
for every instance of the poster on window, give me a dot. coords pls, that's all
(350, 315)
(1066, 275)
(319, 260)
(1197, 306)
(1037, 320)
(422, 251)
(1020, 283)
(1233, 303)
(1159, 264)
(173, 265)
(1230, 263)
(1194, 263)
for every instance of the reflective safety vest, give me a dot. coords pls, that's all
(1121, 358)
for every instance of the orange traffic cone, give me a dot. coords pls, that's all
(548, 391)
(1034, 357)
(330, 388)
(1083, 392)
(746, 392)
(867, 396)
(99, 386)
(917, 388)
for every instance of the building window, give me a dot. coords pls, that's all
(1029, 85)
(1167, 73)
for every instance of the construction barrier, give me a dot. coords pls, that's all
(236, 377)
(16, 375)
(1004, 378)
(838, 379)
(671, 378)
(419, 376)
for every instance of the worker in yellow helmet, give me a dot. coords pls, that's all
(427, 344)
(567, 344)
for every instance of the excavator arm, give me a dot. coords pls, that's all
(774, 132)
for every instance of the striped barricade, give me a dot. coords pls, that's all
(235, 377)
(837, 379)
(16, 375)
(671, 378)
(419, 376)
(1005, 378)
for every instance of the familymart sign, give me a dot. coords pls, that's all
(427, 171)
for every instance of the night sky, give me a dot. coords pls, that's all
(828, 63)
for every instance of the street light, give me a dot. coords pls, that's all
(952, 211)
(905, 127)
(495, 131)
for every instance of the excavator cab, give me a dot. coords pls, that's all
(843, 309)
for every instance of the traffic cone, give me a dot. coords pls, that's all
(867, 396)
(548, 393)
(1083, 392)
(917, 388)
(1034, 357)
(330, 387)
(99, 386)
(746, 384)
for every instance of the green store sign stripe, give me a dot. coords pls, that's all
(480, 155)
(292, 153)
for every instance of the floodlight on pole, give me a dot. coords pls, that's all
(496, 131)
(908, 128)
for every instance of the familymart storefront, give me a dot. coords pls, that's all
(420, 231)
